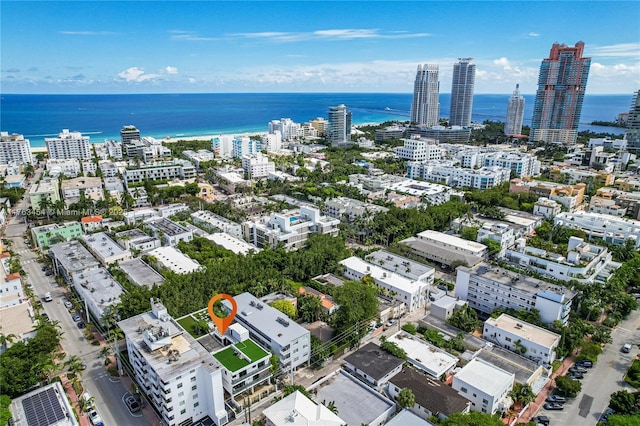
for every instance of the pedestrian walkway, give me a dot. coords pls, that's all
(66, 384)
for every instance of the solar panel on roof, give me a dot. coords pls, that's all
(43, 408)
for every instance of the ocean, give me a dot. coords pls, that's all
(160, 115)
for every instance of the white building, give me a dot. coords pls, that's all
(105, 249)
(614, 230)
(431, 193)
(424, 356)
(98, 290)
(273, 330)
(212, 220)
(288, 129)
(257, 166)
(198, 157)
(291, 229)
(245, 365)
(402, 266)
(88, 166)
(420, 150)
(14, 148)
(222, 146)
(425, 109)
(585, 263)
(181, 169)
(515, 113)
(244, 145)
(170, 232)
(135, 239)
(501, 233)
(339, 127)
(446, 173)
(486, 288)
(525, 339)
(348, 209)
(179, 376)
(547, 208)
(485, 385)
(298, 410)
(73, 189)
(28, 409)
(518, 163)
(11, 292)
(446, 249)
(233, 244)
(272, 142)
(174, 260)
(69, 167)
(69, 145)
(410, 292)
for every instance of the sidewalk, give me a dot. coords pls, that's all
(66, 384)
(533, 407)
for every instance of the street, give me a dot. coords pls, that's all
(107, 391)
(605, 378)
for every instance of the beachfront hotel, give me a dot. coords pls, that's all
(69, 145)
(14, 148)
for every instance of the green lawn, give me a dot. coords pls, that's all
(188, 323)
(232, 362)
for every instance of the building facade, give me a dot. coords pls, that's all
(484, 384)
(632, 134)
(515, 113)
(425, 109)
(14, 148)
(339, 128)
(69, 145)
(462, 84)
(562, 83)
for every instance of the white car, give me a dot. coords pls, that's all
(47, 297)
(95, 417)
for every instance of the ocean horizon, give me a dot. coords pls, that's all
(186, 115)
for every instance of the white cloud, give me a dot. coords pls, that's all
(532, 34)
(179, 35)
(330, 34)
(171, 70)
(87, 33)
(135, 74)
(502, 61)
(627, 50)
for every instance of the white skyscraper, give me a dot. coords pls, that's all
(339, 129)
(462, 84)
(425, 109)
(69, 145)
(14, 148)
(515, 113)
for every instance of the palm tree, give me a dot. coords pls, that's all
(75, 364)
(105, 353)
(49, 369)
(5, 339)
(85, 403)
(522, 394)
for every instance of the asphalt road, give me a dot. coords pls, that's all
(605, 378)
(107, 392)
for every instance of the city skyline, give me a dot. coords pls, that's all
(234, 47)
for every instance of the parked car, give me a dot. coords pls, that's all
(585, 363)
(45, 316)
(95, 417)
(76, 317)
(553, 406)
(47, 297)
(543, 420)
(626, 348)
(577, 369)
(132, 403)
(556, 398)
(48, 273)
(575, 376)
(606, 414)
(68, 304)
(81, 324)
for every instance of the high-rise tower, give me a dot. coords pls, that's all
(561, 86)
(515, 113)
(633, 125)
(339, 128)
(425, 109)
(464, 77)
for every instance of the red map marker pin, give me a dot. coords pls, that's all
(222, 323)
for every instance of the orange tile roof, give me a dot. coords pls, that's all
(5, 254)
(14, 276)
(91, 219)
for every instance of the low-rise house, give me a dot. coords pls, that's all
(92, 223)
(526, 339)
(73, 189)
(233, 244)
(433, 397)
(485, 385)
(443, 307)
(373, 365)
(173, 259)
(328, 305)
(547, 208)
(297, 409)
(424, 356)
(245, 365)
(135, 239)
(500, 233)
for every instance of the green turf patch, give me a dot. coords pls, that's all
(234, 362)
(189, 324)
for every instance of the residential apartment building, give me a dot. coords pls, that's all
(485, 385)
(222, 146)
(198, 157)
(405, 290)
(425, 108)
(47, 189)
(627, 201)
(562, 83)
(584, 262)
(45, 235)
(14, 148)
(570, 196)
(613, 230)
(288, 128)
(244, 145)
(213, 221)
(98, 291)
(446, 173)
(257, 166)
(135, 239)
(69, 145)
(430, 193)
(486, 288)
(129, 133)
(632, 135)
(515, 113)
(173, 259)
(181, 169)
(289, 229)
(70, 259)
(520, 164)
(169, 232)
(420, 150)
(273, 330)
(528, 340)
(245, 365)
(178, 375)
(441, 134)
(11, 291)
(69, 167)
(546, 207)
(298, 407)
(403, 266)
(349, 210)
(445, 249)
(373, 365)
(339, 127)
(501, 233)
(462, 85)
(89, 187)
(105, 249)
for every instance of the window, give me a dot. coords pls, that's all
(181, 394)
(193, 379)
(195, 396)
(484, 401)
(196, 404)
(463, 389)
(179, 385)
(183, 411)
(194, 387)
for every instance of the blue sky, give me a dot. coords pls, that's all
(305, 46)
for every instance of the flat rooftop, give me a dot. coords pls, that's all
(390, 278)
(131, 234)
(73, 256)
(519, 217)
(53, 226)
(233, 244)
(405, 267)
(429, 358)
(239, 355)
(103, 246)
(445, 253)
(168, 227)
(17, 319)
(174, 260)
(485, 376)
(357, 404)
(524, 330)
(101, 287)
(521, 282)
(374, 361)
(470, 246)
(140, 273)
(523, 368)
(269, 321)
(80, 183)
